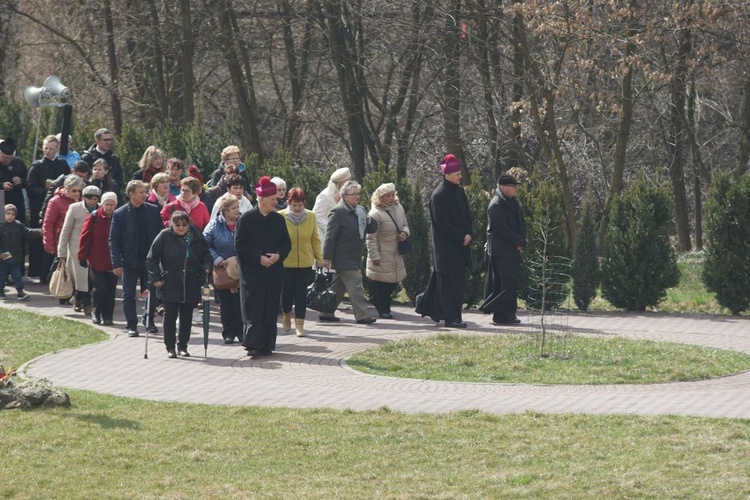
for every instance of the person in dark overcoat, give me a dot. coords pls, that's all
(133, 229)
(506, 238)
(262, 243)
(13, 175)
(178, 264)
(452, 235)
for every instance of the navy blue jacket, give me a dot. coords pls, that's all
(123, 234)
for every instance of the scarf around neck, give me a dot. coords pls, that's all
(295, 218)
(188, 207)
(361, 217)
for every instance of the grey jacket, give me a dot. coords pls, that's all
(342, 244)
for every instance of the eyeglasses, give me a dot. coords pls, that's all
(352, 194)
(180, 224)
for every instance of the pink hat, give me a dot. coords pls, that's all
(450, 164)
(265, 187)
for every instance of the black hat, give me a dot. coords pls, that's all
(507, 180)
(8, 146)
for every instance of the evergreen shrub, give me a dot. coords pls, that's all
(545, 269)
(727, 267)
(585, 269)
(639, 262)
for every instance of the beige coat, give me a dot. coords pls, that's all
(70, 237)
(383, 245)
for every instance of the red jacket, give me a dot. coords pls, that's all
(198, 216)
(94, 245)
(53, 220)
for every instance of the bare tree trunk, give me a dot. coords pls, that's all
(6, 35)
(452, 86)
(114, 93)
(342, 44)
(488, 43)
(546, 133)
(187, 54)
(623, 135)
(699, 169)
(514, 152)
(678, 144)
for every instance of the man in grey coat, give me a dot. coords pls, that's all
(348, 224)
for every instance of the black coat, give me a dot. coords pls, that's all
(113, 162)
(124, 233)
(260, 287)
(12, 239)
(451, 222)
(39, 173)
(506, 228)
(16, 168)
(183, 274)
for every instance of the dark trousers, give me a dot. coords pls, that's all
(130, 278)
(507, 273)
(294, 290)
(16, 272)
(171, 311)
(451, 292)
(231, 314)
(382, 296)
(104, 288)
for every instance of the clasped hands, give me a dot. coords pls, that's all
(269, 259)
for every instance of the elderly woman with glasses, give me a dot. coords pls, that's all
(178, 264)
(68, 245)
(160, 195)
(189, 202)
(348, 225)
(54, 217)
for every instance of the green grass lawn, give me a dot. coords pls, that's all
(515, 358)
(111, 447)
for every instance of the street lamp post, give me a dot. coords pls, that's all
(51, 93)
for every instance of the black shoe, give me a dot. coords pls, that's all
(366, 321)
(229, 341)
(23, 295)
(133, 332)
(455, 324)
(152, 328)
(329, 319)
(386, 315)
(171, 353)
(254, 353)
(184, 353)
(266, 353)
(96, 320)
(513, 321)
(108, 322)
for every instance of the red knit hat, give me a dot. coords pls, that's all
(194, 171)
(450, 164)
(265, 187)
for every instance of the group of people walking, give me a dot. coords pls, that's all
(171, 231)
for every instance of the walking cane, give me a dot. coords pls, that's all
(206, 293)
(148, 308)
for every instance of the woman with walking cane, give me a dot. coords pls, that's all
(177, 263)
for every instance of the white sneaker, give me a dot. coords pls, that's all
(197, 317)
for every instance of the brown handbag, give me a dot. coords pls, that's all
(222, 281)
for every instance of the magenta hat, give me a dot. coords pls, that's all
(265, 187)
(450, 164)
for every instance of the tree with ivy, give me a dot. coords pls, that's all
(639, 261)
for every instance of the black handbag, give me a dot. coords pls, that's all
(405, 246)
(320, 296)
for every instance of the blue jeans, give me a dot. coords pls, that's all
(15, 270)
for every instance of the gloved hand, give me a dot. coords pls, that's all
(84, 263)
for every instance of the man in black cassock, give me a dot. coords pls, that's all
(506, 238)
(451, 236)
(262, 243)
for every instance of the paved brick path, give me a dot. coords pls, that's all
(310, 372)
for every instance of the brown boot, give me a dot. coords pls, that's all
(299, 326)
(286, 321)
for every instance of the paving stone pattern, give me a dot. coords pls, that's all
(311, 372)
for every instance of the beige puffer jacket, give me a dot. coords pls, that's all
(383, 245)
